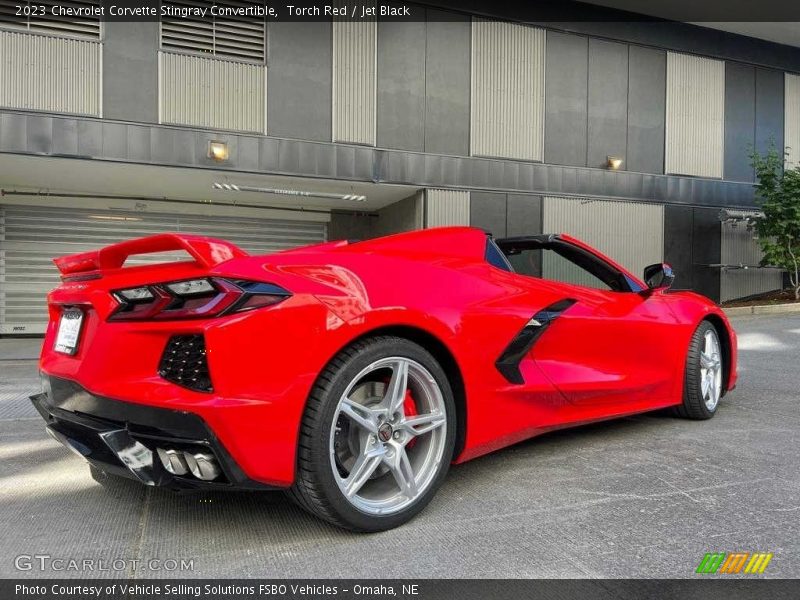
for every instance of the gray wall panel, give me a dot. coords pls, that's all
(348, 226)
(565, 99)
(608, 101)
(488, 211)
(299, 58)
(130, 48)
(706, 250)
(769, 108)
(646, 110)
(447, 83)
(404, 215)
(678, 244)
(506, 214)
(740, 120)
(401, 85)
(524, 214)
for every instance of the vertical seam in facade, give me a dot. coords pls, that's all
(586, 154)
(471, 85)
(544, 99)
(471, 78)
(425, 86)
(666, 111)
(333, 81)
(627, 106)
(755, 119)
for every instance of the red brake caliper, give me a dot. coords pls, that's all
(410, 408)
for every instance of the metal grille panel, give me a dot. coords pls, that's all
(207, 92)
(43, 20)
(446, 207)
(355, 54)
(52, 74)
(792, 119)
(695, 115)
(184, 362)
(237, 38)
(739, 248)
(31, 237)
(628, 232)
(508, 70)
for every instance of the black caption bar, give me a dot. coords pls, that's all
(423, 589)
(530, 11)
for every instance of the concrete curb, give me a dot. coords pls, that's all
(764, 309)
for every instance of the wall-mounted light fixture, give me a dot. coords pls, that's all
(613, 162)
(230, 187)
(217, 150)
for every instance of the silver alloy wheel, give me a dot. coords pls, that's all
(711, 370)
(382, 458)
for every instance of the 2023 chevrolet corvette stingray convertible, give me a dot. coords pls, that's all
(352, 374)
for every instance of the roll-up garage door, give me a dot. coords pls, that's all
(31, 237)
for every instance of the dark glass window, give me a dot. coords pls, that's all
(495, 257)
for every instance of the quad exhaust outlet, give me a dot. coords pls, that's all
(202, 465)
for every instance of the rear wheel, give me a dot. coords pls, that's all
(377, 436)
(702, 388)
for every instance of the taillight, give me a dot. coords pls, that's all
(194, 299)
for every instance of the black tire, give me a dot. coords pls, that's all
(315, 488)
(694, 406)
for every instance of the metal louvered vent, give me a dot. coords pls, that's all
(79, 18)
(240, 38)
(184, 362)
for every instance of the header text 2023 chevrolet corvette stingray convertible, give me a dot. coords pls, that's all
(353, 373)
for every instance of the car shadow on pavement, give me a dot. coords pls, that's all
(271, 515)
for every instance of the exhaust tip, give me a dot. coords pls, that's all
(174, 461)
(202, 465)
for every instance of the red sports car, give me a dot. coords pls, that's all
(352, 374)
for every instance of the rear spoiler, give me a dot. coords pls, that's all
(207, 252)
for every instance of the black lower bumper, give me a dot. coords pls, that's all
(122, 438)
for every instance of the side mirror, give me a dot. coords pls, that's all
(659, 276)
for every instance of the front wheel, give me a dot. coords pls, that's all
(703, 377)
(377, 436)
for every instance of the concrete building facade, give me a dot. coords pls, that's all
(632, 136)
